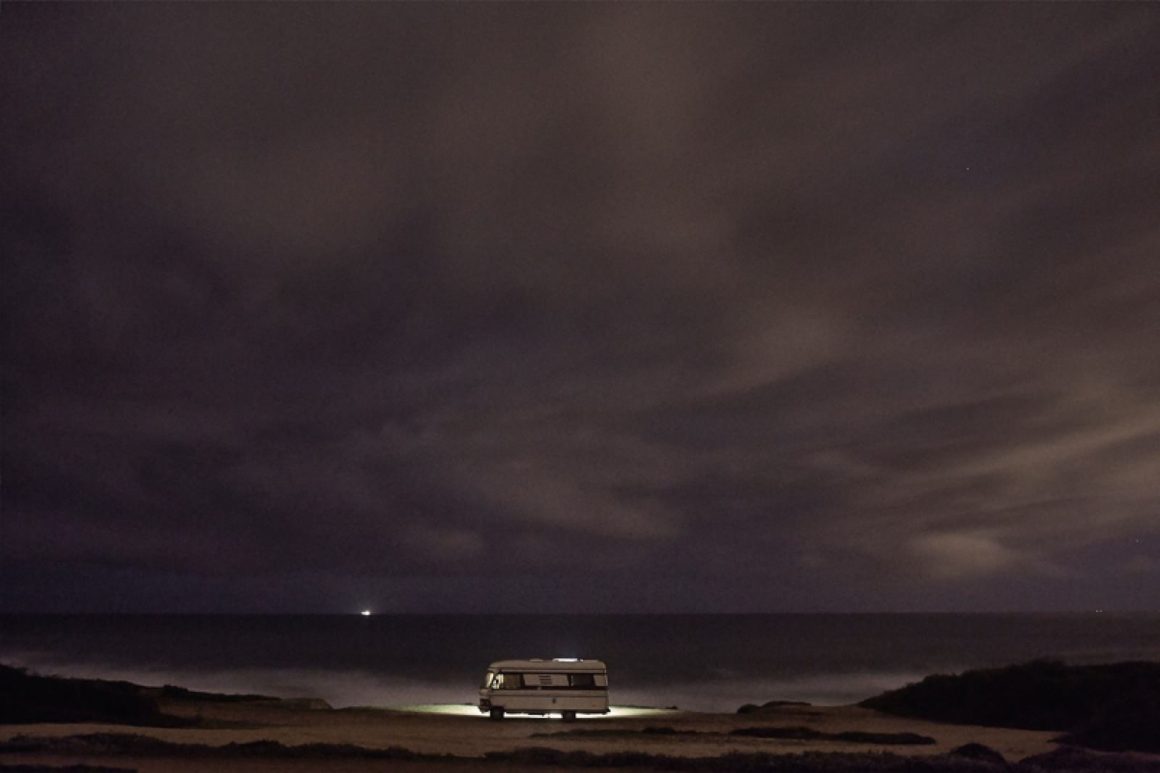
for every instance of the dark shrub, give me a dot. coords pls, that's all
(1130, 723)
(1115, 707)
(750, 708)
(28, 698)
(1069, 759)
(852, 736)
(898, 739)
(977, 751)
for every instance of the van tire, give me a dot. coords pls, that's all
(496, 713)
(568, 716)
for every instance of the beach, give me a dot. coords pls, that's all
(429, 733)
(715, 703)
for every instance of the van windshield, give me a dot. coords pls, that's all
(487, 679)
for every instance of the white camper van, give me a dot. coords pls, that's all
(563, 686)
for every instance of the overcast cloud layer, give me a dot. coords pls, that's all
(454, 307)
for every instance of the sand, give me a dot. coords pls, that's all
(468, 735)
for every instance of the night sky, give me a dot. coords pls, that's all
(580, 307)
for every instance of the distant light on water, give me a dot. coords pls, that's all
(366, 613)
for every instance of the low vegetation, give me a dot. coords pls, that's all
(753, 708)
(851, 736)
(1114, 707)
(171, 692)
(972, 758)
(619, 732)
(957, 761)
(123, 744)
(791, 733)
(26, 697)
(66, 769)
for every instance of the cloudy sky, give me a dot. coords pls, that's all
(445, 307)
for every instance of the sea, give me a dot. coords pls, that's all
(692, 662)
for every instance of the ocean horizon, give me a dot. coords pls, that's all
(699, 662)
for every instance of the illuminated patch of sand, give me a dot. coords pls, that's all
(468, 710)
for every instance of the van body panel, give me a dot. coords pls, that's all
(566, 687)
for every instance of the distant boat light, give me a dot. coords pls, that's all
(366, 613)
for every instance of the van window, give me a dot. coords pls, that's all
(582, 680)
(509, 681)
(487, 679)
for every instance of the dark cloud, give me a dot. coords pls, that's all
(445, 307)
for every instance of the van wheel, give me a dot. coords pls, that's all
(569, 716)
(496, 713)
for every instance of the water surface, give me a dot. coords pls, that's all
(697, 662)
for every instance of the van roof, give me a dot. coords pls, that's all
(546, 666)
